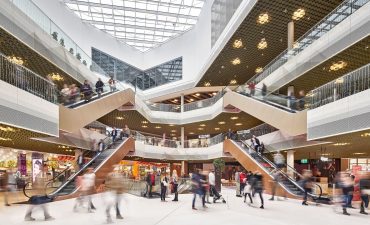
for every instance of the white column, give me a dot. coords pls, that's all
(182, 137)
(182, 102)
(290, 35)
(335, 94)
(290, 162)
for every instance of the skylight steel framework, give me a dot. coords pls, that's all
(143, 24)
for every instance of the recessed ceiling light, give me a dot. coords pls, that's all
(207, 84)
(238, 43)
(233, 81)
(263, 18)
(202, 125)
(192, 99)
(221, 122)
(171, 125)
(338, 65)
(222, 67)
(197, 94)
(214, 93)
(259, 70)
(158, 127)
(341, 144)
(217, 128)
(262, 44)
(173, 131)
(56, 76)
(175, 100)
(234, 118)
(236, 61)
(119, 118)
(359, 153)
(365, 135)
(200, 128)
(144, 126)
(191, 132)
(298, 14)
(238, 124)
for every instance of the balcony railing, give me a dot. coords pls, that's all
(25, 79)
(349, 84)
(203, 103)
(344, 10)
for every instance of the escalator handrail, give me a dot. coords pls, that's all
(284, 174)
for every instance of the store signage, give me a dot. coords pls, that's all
(243, 132)
(204, 136)
(22, 164)
(324, 159)
(304, 161)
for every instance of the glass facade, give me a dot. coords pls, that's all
(153, 77)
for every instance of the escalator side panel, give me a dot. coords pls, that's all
(249, 164)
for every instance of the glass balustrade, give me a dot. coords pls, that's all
(343, 11)
(349, 84)
(12, 72)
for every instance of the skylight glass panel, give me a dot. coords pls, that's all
(143, 24)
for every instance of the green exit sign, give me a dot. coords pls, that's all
(304, 161)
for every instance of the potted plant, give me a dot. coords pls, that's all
(219, 165)
(78, 56)
(71, 51)
(61, 41)
(55, 35)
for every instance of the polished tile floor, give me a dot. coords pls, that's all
(141, 211)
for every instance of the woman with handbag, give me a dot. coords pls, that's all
(164, 185)
(175, 185)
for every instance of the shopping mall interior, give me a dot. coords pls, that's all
(257, 109)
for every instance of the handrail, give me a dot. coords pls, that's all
(313, 34)
(351, 83)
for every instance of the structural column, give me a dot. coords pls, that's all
(184, 168)
(182, 137)
(290, 35)
(290, 163)
(182, 102)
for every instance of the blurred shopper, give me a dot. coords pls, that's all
(212, 183)
(99, 87)
(150, 180)
(364, 185)
(257, 186)
(66, 93)
(344, 182)
(126, 131)
(114, 134)
(242, 180)
(80, 160)
(175, 184)
(264, 90)
(114, 184)
(87, 189)
(4, 185)
(252, 88)
(204, 187)
(302, 100)
(112, 84)
(39, 199)
(230, 134)
(237, 182)
(86, 91)
(164, 185)
(197, 187)
(248, 187)
(256, 143)
(279, 161)
(74, 93)
(306, 184)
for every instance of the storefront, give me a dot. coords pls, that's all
(139, 169)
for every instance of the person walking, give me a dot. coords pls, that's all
(252, 88)
(364, 185)
(197, 187)
(87, 189)
(248, 188)
(112, 84)
(212, 183)
(242, 180)
(164, 185)
(126, 132)
(99, 87)
(114, 134)
(306, 184)
(86, 91)
(257, 186)
(175, 180)
(114, 183)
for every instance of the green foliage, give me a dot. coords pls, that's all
(219, 164)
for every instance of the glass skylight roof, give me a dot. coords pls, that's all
(143, 24)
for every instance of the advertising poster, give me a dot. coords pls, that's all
(22, 164)
(36, 168)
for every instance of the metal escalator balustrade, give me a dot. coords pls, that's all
(343, 11)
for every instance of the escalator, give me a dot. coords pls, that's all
(288, 184)
(288, 116)
(101, 163)
(78, 115)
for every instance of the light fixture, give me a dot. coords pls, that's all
(158, 127)
(119, 118)
(234, 118)
(191, 132)
(221, 122)
(175, 100)
(207, 84)
(338, 65)
(262, 44)
(200, 128)
(7, 129)
(233, 81)
(144, 126)
(214, 93)
(340, 80)
(56, 76)
(341, 144)
(144, 122)
(16, 60)
(238, 124)
(238, 43)
(365, 135)
(358, 153)
(236, 61)
(217, 128)
(298, 14)
(171, 125)
(197, 94)
(259, 70)
(173, 131)
(5, 139)
(191, 100)
(263, 18)
(325, 154)
(173, 135)
(202, 125)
